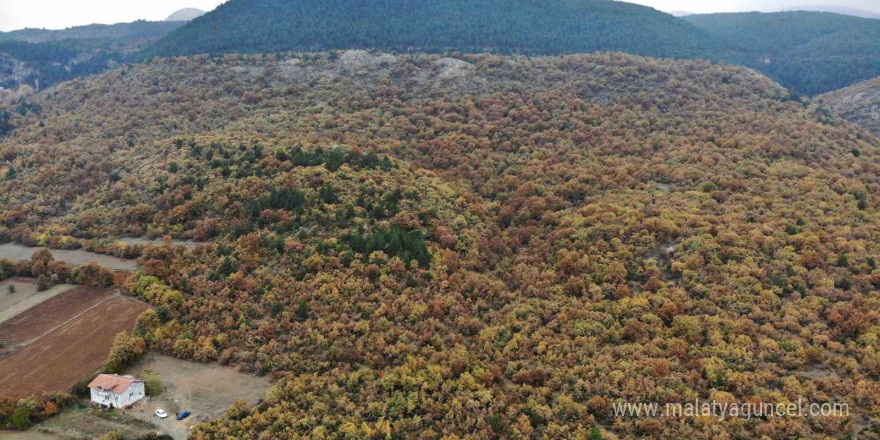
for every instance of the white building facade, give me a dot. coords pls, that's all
(116, 391)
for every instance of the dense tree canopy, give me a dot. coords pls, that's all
(476, 247)
(526, 26)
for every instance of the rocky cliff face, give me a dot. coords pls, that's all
(859, 103)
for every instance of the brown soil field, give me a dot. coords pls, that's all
(63, 340)
(53, 312)
(25, 296)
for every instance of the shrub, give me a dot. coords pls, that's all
(21, 417)
(93, 274)
(152, 382)
(126, 350)
(22, 413)
(7, 268)
(113, 435)
(40, 262)
(44, 282)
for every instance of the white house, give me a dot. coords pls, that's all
(116, 391)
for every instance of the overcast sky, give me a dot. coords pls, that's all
(59, 14)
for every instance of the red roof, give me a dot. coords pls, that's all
(113, 382)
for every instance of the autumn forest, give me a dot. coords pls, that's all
(473, 246)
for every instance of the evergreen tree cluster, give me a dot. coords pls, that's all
(407, 244)
(333, 158)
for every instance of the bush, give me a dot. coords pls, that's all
(113, 435)
(21, 418)
(152, 382)
(44, 282)
(126, 350)
(20, 414)
(7, 268)
(93, 274)
(154, 436)
(40, 262)
(81, 388)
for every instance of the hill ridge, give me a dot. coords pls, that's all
(527, 26)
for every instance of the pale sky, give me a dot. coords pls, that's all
(59, 14)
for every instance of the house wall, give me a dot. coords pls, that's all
(134, 393)
(103, 397)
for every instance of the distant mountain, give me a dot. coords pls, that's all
(186, 14)
(97, 35)
(811, 52)
(679, 13)
(501, 26)
(837, 10)
(44, 57)
(807, 52)
(859, 104)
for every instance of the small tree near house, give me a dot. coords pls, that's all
(152, 382)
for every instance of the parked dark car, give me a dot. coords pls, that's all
(183, 414)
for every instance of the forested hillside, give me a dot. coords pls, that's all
(526, 26)
(859, 104)
(807, 52)
(811, 52)
(476, 247)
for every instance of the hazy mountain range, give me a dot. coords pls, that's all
(809, 52)
(812, 8)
